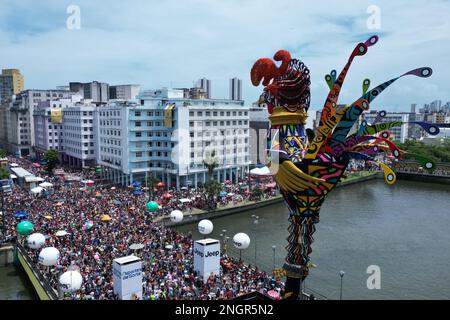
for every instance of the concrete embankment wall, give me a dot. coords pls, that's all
(40, 284)
(423, 178)
(6, 255)
(251, 206)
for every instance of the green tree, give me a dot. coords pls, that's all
(151, 182)
(4, 173)
(211, 163)
(52, 159)
(212, 188)
(257, 193)
(3, 153)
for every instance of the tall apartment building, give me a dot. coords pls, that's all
(259, 125)
(80, 134)
(205, 84)
(18, 117)
(11, 83)
(96, 91)
(124, 92)
(235, 89)
(169, 136)
(48, 125)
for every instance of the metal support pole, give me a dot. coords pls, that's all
(273, 249)
(341, 274)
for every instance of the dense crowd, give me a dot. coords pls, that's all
(413, 167)
(167, 254)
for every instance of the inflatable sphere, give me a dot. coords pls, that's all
(36, 240)
(49, 256)
(24, 228)
(241, 241)
(176, 216)
(70, 281)
(205, 226)
(152, 206)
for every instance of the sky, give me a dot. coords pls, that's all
(173, 43)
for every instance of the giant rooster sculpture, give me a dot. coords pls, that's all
(307, 165)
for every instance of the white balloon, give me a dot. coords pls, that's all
(49, 256)
(70, 281)
(205, 226)
(176, 216)
(241, 240)
(36, 240)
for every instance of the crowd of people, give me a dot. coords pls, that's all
(414, 167)
(167, 255)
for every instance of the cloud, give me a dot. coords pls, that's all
(163, 43)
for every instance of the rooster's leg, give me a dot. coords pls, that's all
(297, 260)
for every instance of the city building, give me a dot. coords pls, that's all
(96, 91)
(80, 134)
(259, 125)
(11, 83)
(19, 121)
(124, 92)
(399, 133)
(205, 84)
(235, 89)
(168, 136)
(48, 125)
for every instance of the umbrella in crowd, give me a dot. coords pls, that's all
(46, 185)
(167, 195)
(37, 190)
(105, 218)
(136, 246)
(161, 184)
(61, 233)
(21, 215)
(88, 225)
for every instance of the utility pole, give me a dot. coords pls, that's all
(341, 274)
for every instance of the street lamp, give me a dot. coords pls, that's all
(341, 274)
(255, 222)
(273, 249)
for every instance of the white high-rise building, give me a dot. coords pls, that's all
(80, 128)
(235, 89)
(124, 92)
(399, 133)
(169, 137)
(205, 84)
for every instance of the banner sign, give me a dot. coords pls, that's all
(56, 116)
(168, 115)
(127, 277)
(207, 257)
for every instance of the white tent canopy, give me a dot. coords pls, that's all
(264, 171)
(37, 190)
(46, 185)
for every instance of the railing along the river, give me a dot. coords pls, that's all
(43, 281)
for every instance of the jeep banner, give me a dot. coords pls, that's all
(207, 257)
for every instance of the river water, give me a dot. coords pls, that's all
(403, 229)
(14, 284)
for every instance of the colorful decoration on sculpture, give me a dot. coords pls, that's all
(307, 165)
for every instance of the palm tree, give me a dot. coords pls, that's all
(211, 163)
